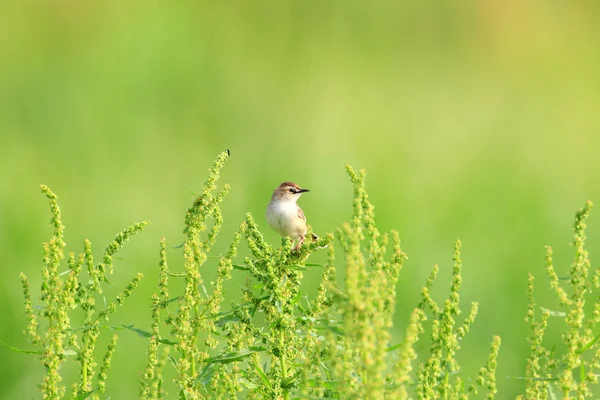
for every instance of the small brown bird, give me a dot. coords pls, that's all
(285, 216)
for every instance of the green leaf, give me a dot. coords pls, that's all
(206, 374)
(164, 303)
(247, 383)
(296, 298)
(551, 394)
(85, 395)
(20, 350)
(261, 374)
(298, 267)
(173, 362)
(257, 349)
(147, 334)
(230, 357)
(227, 319)
(139, 331)
(587, 346)
(166, 341)
(394, 347)
(323, 383)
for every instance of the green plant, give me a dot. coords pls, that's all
(434, 375)
(269, 324)
(569, 369)
(275, 342)
(272, 341)
(55, 338)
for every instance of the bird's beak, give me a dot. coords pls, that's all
(303, 190)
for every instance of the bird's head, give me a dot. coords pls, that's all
(288, 191)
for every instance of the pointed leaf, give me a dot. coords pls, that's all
(263, 377)
(85, 395)
(230, 357)
(20, 350)
(147, 334)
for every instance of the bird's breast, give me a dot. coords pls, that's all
(283, 218)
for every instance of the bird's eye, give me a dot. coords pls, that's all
(292, 190)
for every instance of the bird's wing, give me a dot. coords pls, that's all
(303, 218)
(300, 213)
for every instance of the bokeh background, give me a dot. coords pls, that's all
(474, 120)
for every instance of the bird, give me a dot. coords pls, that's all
(285, 216)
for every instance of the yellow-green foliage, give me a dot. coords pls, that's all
(435, 375)
(575, 367)
(62, 292)
(274, 341)
(258, 359)
(366, 303)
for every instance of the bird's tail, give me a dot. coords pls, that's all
(314, 238)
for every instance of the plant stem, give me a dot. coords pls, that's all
(286, 393)
(446, 384)
(84, 365)
(194, 341)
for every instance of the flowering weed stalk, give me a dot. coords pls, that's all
(437, 376)
(50, 330)
(364, 364)
(262, 339)
(572, 371)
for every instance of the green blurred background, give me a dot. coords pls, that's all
(474, 120)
